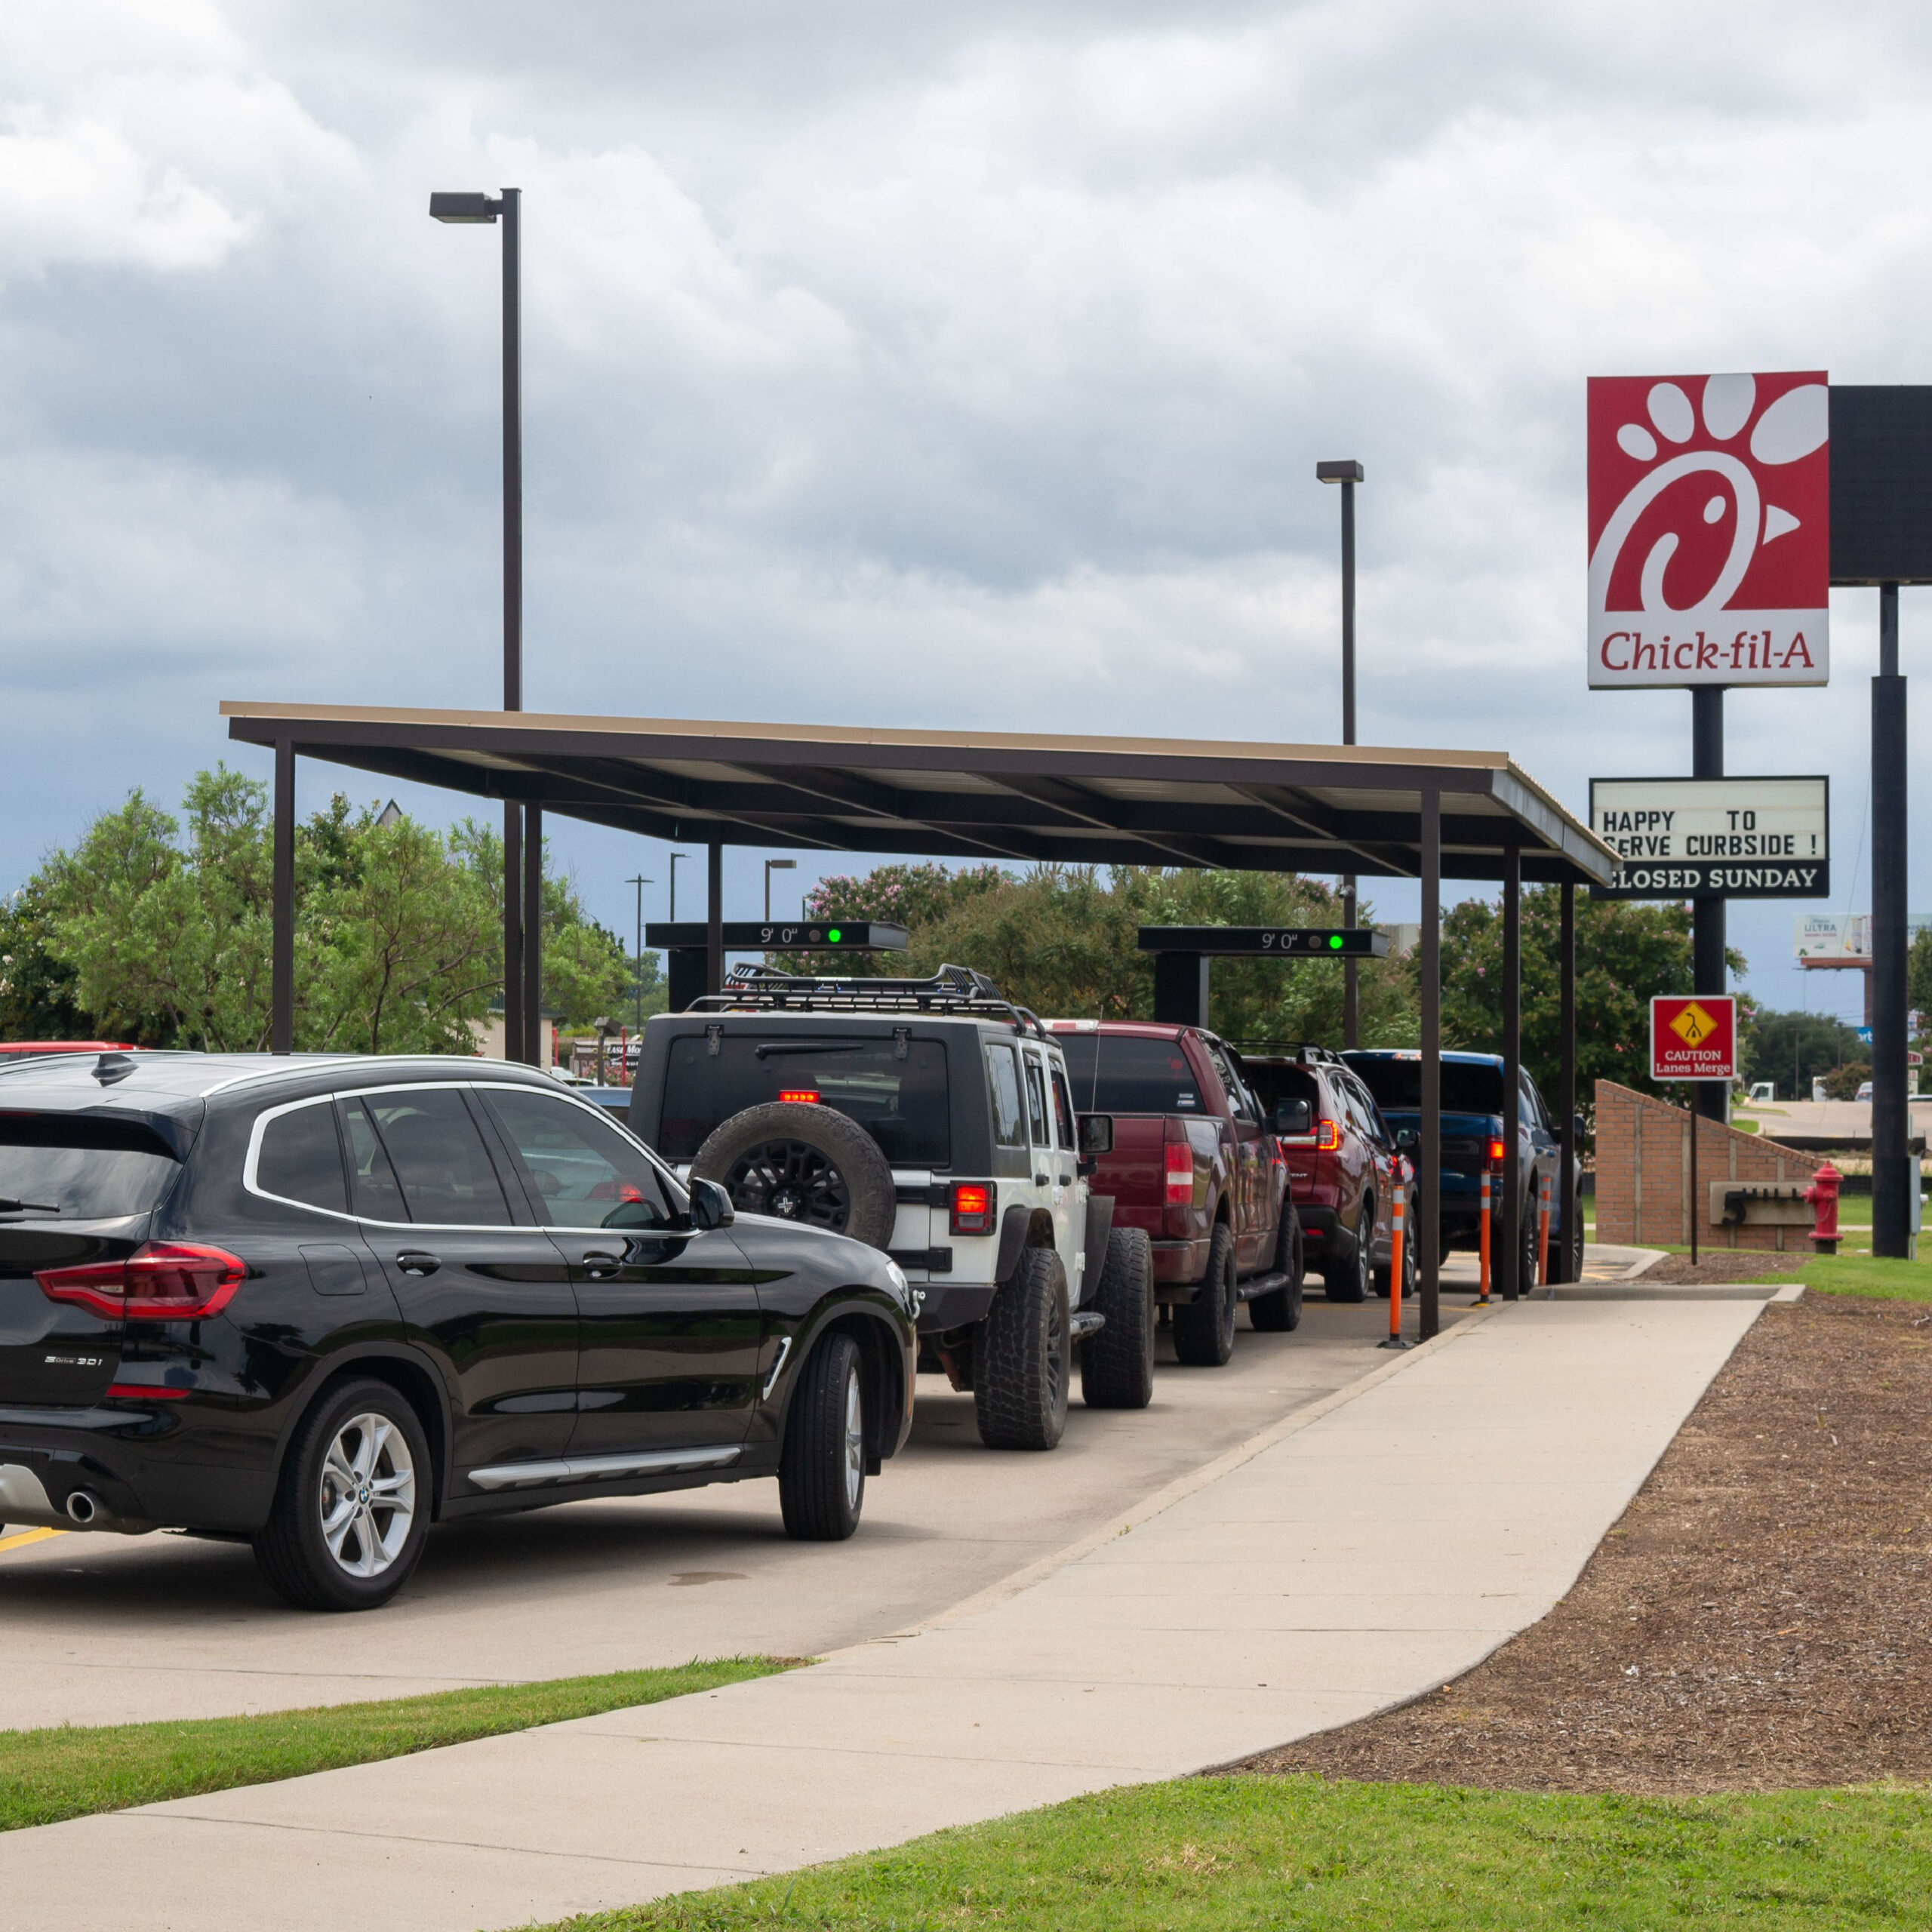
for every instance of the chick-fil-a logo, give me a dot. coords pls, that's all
(1710, 529)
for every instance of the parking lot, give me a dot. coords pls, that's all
(98, 1629)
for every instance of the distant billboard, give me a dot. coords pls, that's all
(1710, 530)
(1822, 936)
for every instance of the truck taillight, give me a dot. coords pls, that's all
(1328, 1137)
(1496, 1150)
(972, 1206)
(160, 1281)
(1180, 1173)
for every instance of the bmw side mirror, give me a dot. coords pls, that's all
(1293, 1116)
(1096, 1133)
(711, 1206)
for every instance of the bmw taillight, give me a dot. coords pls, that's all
(1180, 1173)
(972, 1206)
(160, 1281)
(1328, 1137)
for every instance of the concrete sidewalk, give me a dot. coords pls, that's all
(1353, 1556)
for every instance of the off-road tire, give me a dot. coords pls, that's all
(290, 1549)
(821, 1467)
(1117, 1365)
(1351, 1280)
(1278, 1312)
(803, 1163)
(1204, 1328)
(1022, 1359)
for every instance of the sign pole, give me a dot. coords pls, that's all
(1891, 1232)
(1707, 916)
(1695, 1086)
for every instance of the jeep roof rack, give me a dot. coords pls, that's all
(959, 990)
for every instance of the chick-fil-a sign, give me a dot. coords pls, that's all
(1710, 530)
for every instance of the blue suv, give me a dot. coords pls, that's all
(1473, 1139)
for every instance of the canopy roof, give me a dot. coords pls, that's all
(1048, 798)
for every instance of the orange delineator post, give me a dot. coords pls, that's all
(1482, 1300)
(1396, 1217)
(1542, 1234)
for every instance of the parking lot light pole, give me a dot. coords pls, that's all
(775, 866)
(505, 209)
(1347, 475)
(640, 881)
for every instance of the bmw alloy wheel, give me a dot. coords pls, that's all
(368, 1495)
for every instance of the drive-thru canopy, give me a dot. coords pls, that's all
(999, 796)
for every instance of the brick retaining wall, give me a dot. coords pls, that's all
(1643, 1164)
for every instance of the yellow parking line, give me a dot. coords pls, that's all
(26, 1536)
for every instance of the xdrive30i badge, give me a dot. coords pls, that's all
(75, 1362)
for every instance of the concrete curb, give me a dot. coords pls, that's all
(1182, 1486)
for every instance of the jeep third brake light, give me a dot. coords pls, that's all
(972, 1205)
(160, 1281)
(805, 1096)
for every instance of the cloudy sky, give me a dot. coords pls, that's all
(941, 365)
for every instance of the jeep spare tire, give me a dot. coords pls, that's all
(800, 1162)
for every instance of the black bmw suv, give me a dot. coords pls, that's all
(320, 1303)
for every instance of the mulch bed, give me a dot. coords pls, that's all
(1723, 1264)
(1760, 1618)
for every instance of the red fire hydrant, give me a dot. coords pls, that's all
(1823, 1196)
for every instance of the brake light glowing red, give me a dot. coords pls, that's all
(805, 1096)
(1328, 1136)
(972, 1206)
(160, 1281)
(1179, 1155)
(1496, 1150)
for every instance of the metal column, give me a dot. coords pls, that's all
(1572, 1206)
(282, 967)
(714, 937)
(1427, 1225)
(1180, 988)
(1891, 1213)
(513, 931)
(1351, 985)
(1712, 1097)
(1508, 1243)
(532, 936)
(516, 993)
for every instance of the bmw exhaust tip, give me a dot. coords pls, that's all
(84, 1507)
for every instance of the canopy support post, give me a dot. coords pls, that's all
(1509, 1256)
(282, 961)
(1426, 1226)
(533, 935)
(1571, 1208)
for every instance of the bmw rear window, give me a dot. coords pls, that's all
(54, 1165)
(895, 1090)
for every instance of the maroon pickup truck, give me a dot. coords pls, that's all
(1194, 1165)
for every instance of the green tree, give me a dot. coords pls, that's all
(914, 896)
(1792, 1049)
(1627, 951)
(1062, 940)
(39, 992)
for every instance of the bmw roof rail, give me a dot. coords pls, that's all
(951, 990)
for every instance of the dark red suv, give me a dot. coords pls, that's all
(1344, 1165)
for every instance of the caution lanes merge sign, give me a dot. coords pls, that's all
(1694, 1039)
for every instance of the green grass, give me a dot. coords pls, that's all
(68, 1772)
(1843, 1273)
(1205, 1854)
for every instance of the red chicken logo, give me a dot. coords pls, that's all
(1710, 530)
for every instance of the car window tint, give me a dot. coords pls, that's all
(589, 1173)
(1468, 1087)
(378, 1197)
(1063, 1113)
(1130, 1074)
(76, 1169)
(1036, 1100)
(1238, 1104)
(300, 1159)
(439, 1157)
(1003, 1080)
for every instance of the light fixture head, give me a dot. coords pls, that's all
(782, 864)
(1338, 472)
(464, 207)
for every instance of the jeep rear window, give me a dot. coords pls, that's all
(1117, 1074)
(901, 1102)
(1397, 1085)
(56, 1166)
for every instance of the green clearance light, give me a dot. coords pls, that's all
(1335, 941)
(834, 935)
